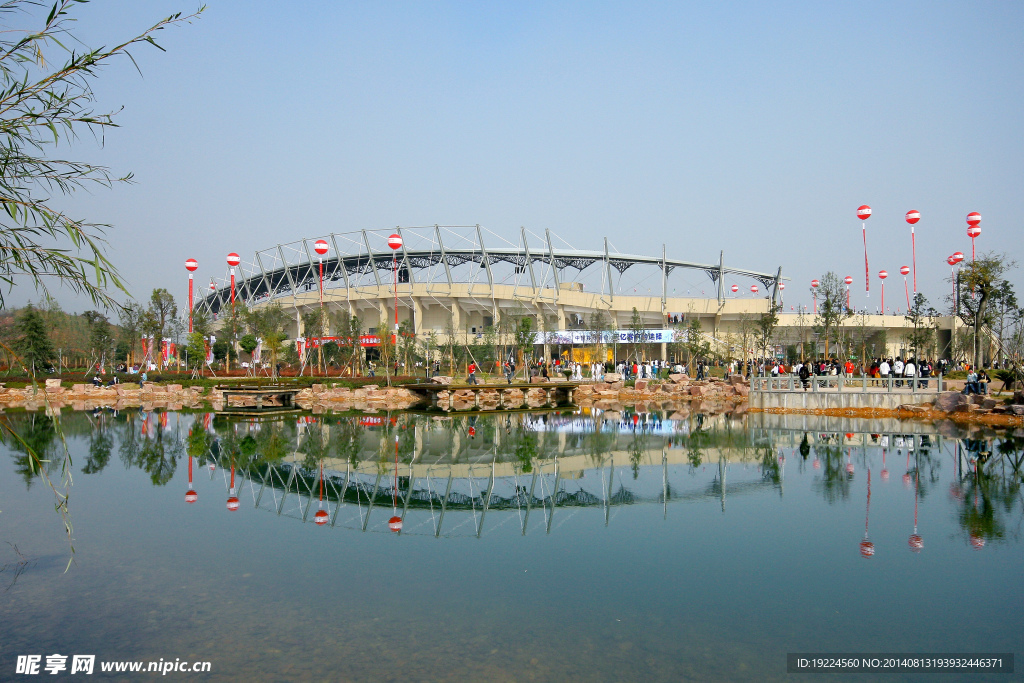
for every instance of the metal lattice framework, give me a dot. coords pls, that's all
(442, 256)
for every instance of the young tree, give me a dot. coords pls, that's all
(636, 329)
(832, 309)
(349, 329)
(600, 325)
(524, 339)
(767, 323)
(921, 315)
(33, 343)
(131, 317)
(46, 103)
(386, 348)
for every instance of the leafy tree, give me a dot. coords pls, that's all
(696, 344)
(977, 284)
(832, 310)
(33, 344)
(197, 351)
(248, 343)
(268, 323)
(158, 316)
(48, 102)
(101, 340)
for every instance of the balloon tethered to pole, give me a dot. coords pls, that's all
(913, 216)
(973, 228)
(864, 213)
(190, 265)
(395, 242)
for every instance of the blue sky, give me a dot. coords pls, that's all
(757, 128)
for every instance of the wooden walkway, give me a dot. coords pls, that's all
(281, 397)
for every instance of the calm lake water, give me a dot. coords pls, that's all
(533, 547)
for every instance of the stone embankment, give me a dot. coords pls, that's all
(679, 393)
(953, 405)
(948, 405)
(52, 396)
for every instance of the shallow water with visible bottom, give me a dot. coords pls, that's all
(568, 546)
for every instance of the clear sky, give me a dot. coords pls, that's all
(757, 128)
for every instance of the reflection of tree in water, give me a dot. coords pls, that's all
(834, 482)
(526, 447)
(636, 449)
(159, 456)
(992, 488)
(100, 445)
(32, 445)
(769, 463)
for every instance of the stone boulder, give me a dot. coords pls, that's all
(612, 377)
(1017, 410)
(737, 379)
(697, 391)
(641, 385)
(948, 401)
(679, 378)
(441, 379)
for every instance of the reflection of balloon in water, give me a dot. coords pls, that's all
(885, 472)
(816, 464)
(849, 465)
(915, 542)
(867, 548)
(232, 498)
(395, 524)
(320, 518)
(190, 496)
(977, 542)
(906, 477)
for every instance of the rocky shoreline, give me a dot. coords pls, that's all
(679, 394)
